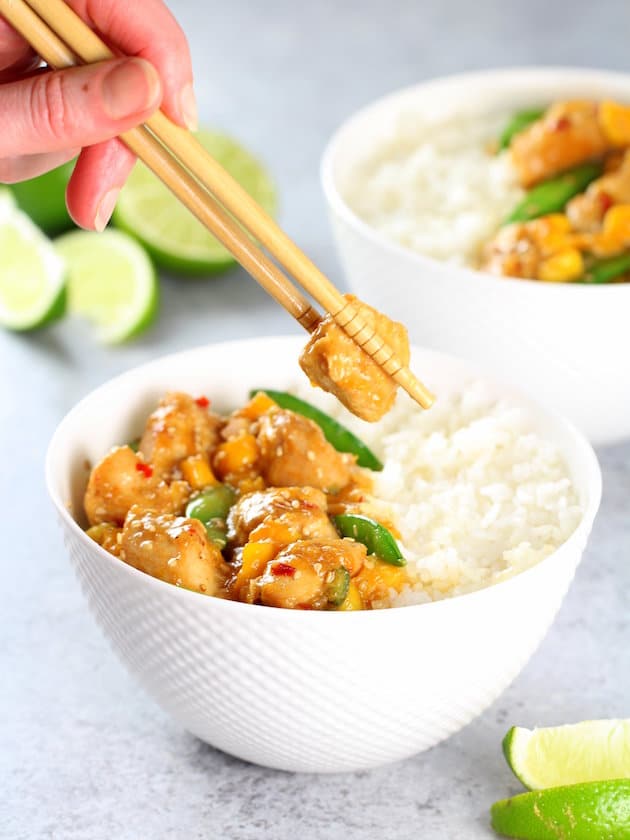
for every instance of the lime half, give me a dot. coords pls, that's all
(172, 235)
(32, 274)
(591, 811)
(592, 751)
(111, 282)
(44, 199)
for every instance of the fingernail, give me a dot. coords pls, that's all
(105, 209)
(130, 87)
(188, 105)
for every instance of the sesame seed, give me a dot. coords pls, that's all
(172, 561)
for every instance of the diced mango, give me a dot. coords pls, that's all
(376, 578)
(562, 267)
(617, 223)
(197, 472)
(257, 406)
(614, 119)
(236, 455)
(550, 232)
(353, 600)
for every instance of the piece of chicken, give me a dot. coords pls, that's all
(302, 575)
(568, 134)
(299, 512)
(295, 453)
(333, 361)
(172, 548)
(587, 210)
(514, 252)
(178, 428)
(122, 479)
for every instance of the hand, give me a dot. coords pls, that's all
(48, 117)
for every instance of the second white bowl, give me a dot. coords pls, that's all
(567, 343)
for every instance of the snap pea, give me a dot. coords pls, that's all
(337, 589)
(337, 435)
(217, 535)
(213, 503)
(374, 536)
(518, 123)
(604, 271)
(551, 196)
(134, 444)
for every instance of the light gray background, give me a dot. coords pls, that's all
(83, 754)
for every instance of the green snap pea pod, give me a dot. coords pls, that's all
(337, 589)
(337, 435)
(134, 444)
(213, 503)
(604, 271)
(374, 536)
(518, 123)
(217, 535)
(551, 196)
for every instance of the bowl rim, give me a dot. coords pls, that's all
(581, 533)
(391, 101)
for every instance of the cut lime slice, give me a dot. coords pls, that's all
(32, 275)
(591, 811)
(44, 199)
(592, 751)
(176, 240)
(111, 282)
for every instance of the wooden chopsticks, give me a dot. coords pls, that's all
(62, 39)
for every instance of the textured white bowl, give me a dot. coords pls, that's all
(303, 691)
(566, 343)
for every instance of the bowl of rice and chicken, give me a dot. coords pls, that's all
(224, 517)
(491, 211)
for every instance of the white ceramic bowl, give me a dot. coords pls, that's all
(303, 691)
(566, 343)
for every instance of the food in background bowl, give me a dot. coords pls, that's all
(542, 194)
(270, 505)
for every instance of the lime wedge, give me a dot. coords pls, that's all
(44, 199)
(32, 275)
(175, 239)
(111, 282)
(591, 811)
(592, 751)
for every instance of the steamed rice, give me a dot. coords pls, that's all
(435, 187)
(476, 494)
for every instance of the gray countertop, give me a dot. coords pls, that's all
(83, 754)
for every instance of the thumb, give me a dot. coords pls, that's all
(77, 107)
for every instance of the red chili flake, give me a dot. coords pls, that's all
(282, 570)
(145, 469)
(605, 201)
(561, 124)
(202, 402)
(305, 606)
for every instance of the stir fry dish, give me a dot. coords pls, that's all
(573, 223)
(270, 505)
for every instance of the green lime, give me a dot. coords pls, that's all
(592, 751)
(44, 199)
(589, 811)
(32, 275)
(111, 282)
(172, 235)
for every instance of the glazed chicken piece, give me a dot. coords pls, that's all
(172, 548)
(178, 428)
(513, 252)
(123, 479)
(296, 512)
(333, 361)
(587, 210)
(568, 134)
(310, 574)
(294, 452)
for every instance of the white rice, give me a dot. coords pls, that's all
(435, 187)
(476, 494)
